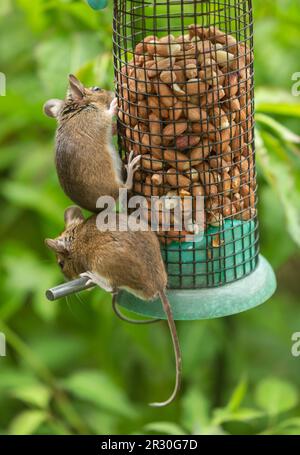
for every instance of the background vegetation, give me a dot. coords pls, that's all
(71, 367)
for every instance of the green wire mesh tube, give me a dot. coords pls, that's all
(184, 75)
(185, 85)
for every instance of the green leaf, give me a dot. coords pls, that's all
(214, 430)
(57, 428)
(195, 411)
(35, 395)
(35, 13)
(276, 396)
(273, 228)
(101, 422)
(287, 427)
(275, 101)
(33, 277)
(6, 7)
(11, 378)
(26, 196)
(59, 350)
(68, 53)
(167, 428)
(281, 174)
(83, 13)
(99, 389)
(27, 422)
(224, 415)
(237, 396)
(277, 128)
(99, 69)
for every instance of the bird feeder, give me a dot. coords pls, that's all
(184, 75)
(184, 82)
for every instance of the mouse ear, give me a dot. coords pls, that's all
(53, 107)
(56, 245)
(73, 215)
(77, 89)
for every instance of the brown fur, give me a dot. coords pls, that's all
(123, 258)
(87, 164)
(126, 259)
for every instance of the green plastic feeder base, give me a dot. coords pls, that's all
(209, 303)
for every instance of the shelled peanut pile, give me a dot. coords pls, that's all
(185, 104)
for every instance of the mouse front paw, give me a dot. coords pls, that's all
(113, 109)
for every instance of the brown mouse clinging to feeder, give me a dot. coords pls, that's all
(87, 164)
(114, 260)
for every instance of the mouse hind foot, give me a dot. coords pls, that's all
(132, 166)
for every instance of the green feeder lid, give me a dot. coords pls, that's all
(195, 304)
(97, 4)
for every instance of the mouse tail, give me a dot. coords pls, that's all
(124, 318)
(175, 340)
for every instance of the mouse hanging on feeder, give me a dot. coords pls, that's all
(115, 260)
(87, 164)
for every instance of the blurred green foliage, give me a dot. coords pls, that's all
(71, 367)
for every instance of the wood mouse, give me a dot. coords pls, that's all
(88, 166)
(115, 260)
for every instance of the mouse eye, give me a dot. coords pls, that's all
(97, 89)
(61, 264)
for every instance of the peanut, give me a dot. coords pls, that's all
(191, 71)
(184, 142)
(177, 160)
(195, 114)
(197, 189)
(165, 93)
(148, 162)
(175, 112)
(223, 57)
(157, 179)
(195, 87)
(177, 180)
(168, 46)
(168, 77)
(172, 130)
(160, 65)
(153, 104)
(155, 129)
(193, 174)
(200, 153)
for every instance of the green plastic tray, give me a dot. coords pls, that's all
(192, 304)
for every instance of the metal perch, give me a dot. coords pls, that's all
(80, 284)
(68, 288)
